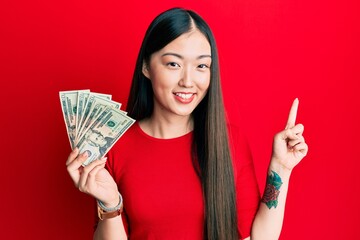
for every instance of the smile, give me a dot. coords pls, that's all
(184, 98)
(184, 95)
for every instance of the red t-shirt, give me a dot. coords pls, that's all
(162, 192)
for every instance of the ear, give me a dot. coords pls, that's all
(145, 70)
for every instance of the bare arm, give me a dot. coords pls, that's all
(96, 181)
(269, 218)
(289, 148)
(109, 229)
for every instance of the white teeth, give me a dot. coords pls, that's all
(183, 95)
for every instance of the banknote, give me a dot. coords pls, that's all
(65, 111)
(103, 133)
(69, 107)
(71, 98)
(93, 121)
(95, 105)
(81, 103)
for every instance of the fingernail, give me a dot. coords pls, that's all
(104, 159)
(75, 149)
(85, 154)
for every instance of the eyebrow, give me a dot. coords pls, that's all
(181, 57)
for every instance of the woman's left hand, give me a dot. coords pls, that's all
(289, 145)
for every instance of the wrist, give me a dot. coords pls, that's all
(112, 201)
(111, 205)
(279, 168)
(105, 212)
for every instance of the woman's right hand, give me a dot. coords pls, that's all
(92, 179)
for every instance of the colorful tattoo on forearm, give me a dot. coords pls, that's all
(272, 190)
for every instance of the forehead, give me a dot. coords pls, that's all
(189, 44)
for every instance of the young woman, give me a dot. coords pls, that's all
(184, 172)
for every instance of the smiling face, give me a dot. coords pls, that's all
(180, 74)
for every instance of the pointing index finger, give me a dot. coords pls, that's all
(292, 114)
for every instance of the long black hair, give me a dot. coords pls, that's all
(210, 147)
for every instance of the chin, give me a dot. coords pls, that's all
(184, 112)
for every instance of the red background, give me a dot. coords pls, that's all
(270, 52)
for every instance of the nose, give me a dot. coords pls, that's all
(186, 78)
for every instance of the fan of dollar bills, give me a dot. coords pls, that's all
(93, 122)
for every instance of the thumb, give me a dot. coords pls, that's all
(288, 134)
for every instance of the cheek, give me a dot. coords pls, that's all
(163, 80)
(159, 86)
(204, 82)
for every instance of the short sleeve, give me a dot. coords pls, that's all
(247, 191)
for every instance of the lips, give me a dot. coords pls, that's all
(184, 97)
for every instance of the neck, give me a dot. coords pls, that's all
(167, 127)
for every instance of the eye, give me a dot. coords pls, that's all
(173, 65)
(203, 66)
